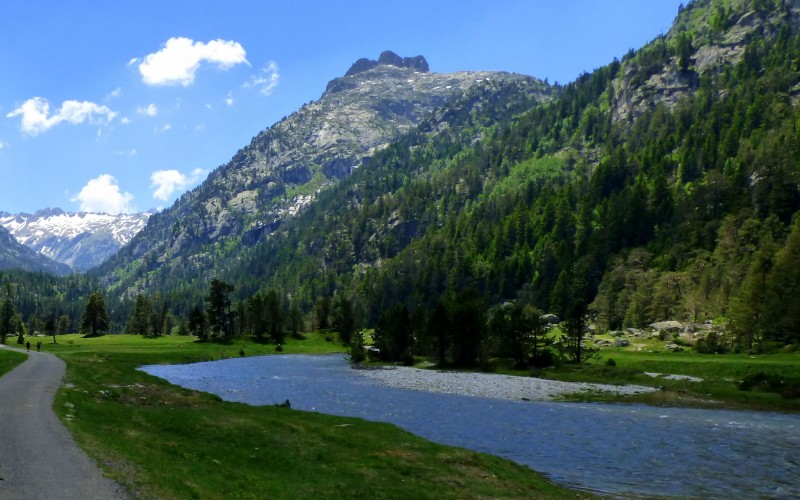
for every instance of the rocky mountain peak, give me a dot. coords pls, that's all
(389, 58)
(48, 212)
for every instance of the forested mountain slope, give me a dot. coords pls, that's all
(664, 185)
(286, 167)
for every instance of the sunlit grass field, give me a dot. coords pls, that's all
(10, 359)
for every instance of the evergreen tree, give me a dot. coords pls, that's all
(273, 309)
(467, 316)
(141, 319)
(64, 322)
(220, 316)
(439, 329)
(94, 318)
(7, 314)
(393, 334)
(295, 318)
(343, 317)
(782, 297)
(198, 323)
(50, 326)
(322, 309)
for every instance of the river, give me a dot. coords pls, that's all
(622, 450)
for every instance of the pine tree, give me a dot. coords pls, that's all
(94, 318)
(220, 316)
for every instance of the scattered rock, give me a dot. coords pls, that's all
(622, 342)
(669, 326)
(550, 319)
(671, 346)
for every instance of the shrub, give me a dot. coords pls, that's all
(788, 388)
(543, 359)
(611, 362)
(713, 343)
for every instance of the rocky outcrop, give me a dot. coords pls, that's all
(418, 63)
(715, 46)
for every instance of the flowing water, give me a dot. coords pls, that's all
(622, 450)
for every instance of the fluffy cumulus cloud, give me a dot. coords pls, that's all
(149, 110)
(266, 80)
(36, 117)
(102, 194)
(179, 59)
(168, 182)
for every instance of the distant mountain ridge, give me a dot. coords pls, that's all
(79, 240)
(14, 255)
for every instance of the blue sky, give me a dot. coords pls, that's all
(121, 106)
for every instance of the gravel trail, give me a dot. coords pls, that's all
(488, 385)
(38, 457)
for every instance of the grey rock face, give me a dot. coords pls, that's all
(389, 58)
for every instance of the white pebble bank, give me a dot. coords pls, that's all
(488, 385)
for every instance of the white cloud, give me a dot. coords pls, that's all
(266, 80)
(114, 93)
(180, 58)
(229, 99)
(167, 182)
(127, 152)
(150, 110)
(36, 117)
(124, 120)
(102, 194)
(2, 145)
(164, 128)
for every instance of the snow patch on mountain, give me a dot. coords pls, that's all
(80, 240)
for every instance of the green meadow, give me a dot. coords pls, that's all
(162, 441)
(10, 359)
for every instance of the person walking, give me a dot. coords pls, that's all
(28, 345)
(38, 346)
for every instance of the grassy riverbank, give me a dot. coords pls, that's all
(721, 376)
(9, 360)
(162, 441)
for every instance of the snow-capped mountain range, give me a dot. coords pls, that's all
(80, 240)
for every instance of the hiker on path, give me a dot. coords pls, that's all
(28, 345)
(38, 346)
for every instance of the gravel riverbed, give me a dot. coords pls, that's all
(489, 385)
